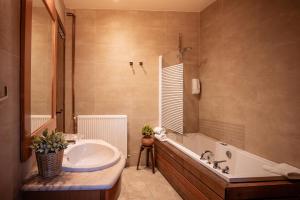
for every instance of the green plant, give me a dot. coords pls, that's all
(147, 130)
(49, 142)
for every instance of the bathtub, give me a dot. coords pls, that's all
(90, 155)
(243, 166)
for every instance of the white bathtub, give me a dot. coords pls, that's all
(90, 155)
(243, 166)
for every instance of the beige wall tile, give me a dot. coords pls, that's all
(249, 68)
(10, 169)
(86, 17)
(106, 41)
(10, 35)
(114, 19)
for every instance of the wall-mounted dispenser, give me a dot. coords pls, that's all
(195, 86)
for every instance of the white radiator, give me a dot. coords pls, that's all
(38, 120)
(110, 128)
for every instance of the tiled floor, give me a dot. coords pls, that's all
(143, 185)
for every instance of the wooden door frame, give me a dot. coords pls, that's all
(70, 14)
(61, 26)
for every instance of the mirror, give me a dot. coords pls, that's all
(41, 65)
(38, 70)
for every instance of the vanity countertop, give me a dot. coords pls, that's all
(97, 180)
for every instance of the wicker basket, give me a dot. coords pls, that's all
(49, 165)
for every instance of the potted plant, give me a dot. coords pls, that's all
(49, 151)
(147, 132)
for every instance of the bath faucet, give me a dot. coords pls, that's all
(204, 153)
(225, 170)
(216, 164)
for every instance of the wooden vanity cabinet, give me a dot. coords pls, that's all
(195, 182)
(110, 194)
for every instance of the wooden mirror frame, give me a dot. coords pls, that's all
(25, 76)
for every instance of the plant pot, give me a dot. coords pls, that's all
(49, 165)
(147, 140)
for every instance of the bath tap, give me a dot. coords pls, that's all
(225, 170)
(216, 164)
(204, 153)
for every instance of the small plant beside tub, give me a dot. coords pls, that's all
(49, 151)
(147, 133)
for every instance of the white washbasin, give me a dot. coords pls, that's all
(90, 155)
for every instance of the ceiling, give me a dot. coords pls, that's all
(151, 5)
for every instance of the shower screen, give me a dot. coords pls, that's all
(172, 98)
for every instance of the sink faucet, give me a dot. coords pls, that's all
(204, 153)
(216, 164)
